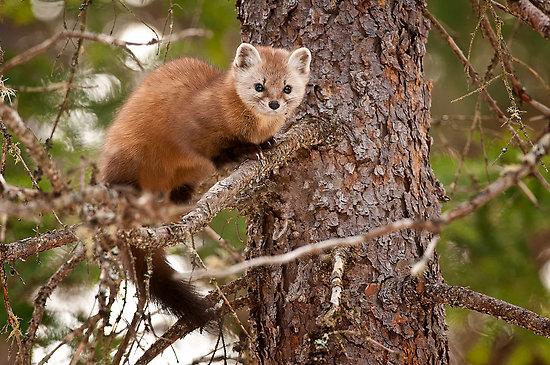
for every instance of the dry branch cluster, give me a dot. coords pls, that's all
(109, 216)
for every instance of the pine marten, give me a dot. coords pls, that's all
(181, 121)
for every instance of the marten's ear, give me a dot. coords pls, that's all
(247, 56)
(300, 60)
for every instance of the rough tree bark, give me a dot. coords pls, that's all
(367, 77)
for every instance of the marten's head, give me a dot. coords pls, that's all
(271, 82)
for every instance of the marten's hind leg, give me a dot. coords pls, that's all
(188, 175)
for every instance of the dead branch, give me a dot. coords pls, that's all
(420, 266)
(336, 280)
(251, 173)
(82, 17)
(310, 249)
(13, 321)
(96, 37)
(90, 322)
(234, 254)
(26, 247)
(530, 14)
(506, 60)
(510, 177)
(457, 296)
(11, 118)
(176, 331)
(474, 76)
(55, 86)
(97, 204)
(221, 196)
(43, 294)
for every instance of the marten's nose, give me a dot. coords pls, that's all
(274, 104)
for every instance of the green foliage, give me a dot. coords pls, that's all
(18, 11)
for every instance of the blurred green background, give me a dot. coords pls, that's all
(502, 250)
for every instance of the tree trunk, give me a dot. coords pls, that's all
(367, 78)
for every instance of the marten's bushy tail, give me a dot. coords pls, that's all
(177, 296)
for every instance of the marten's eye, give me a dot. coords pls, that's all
(259, 87)
(287, 89)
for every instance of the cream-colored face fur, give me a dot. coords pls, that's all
(271, 81)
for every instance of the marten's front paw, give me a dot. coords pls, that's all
(268, 144)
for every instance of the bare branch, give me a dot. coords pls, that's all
(474, 76)
(219, 197)
(510, 177)
(44, 293)
(11, 118)
(249, 174)
(124, 208)
(336, 280)
(175, 332)
(531, 15)
(457, 296)
(97, 37)
(24, 248)
(55, 86)
(420, 266)
(72, 335)
(506, 60)
(82, 16)
(13, 321)
(310, 249)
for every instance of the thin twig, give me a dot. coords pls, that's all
(13, 321)
(90, 322)
(82, 17)
(97, 37)
(11, 118)
(510, 177)
(44, 293)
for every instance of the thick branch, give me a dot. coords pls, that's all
(11, 118)
(457, 296)
(221, 196)
(510, 177)
(252, 173)
(97, 204)
(531, 15)
(24, 248)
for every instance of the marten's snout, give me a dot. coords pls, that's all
(274, 104)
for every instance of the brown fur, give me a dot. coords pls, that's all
(170, 131)
(181, 117)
